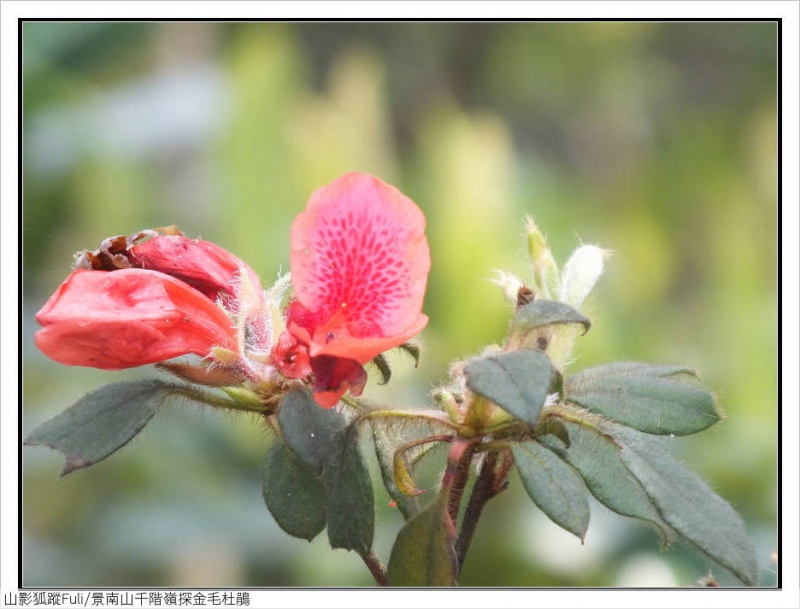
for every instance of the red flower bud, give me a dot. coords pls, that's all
(129, 317)
(203, 265)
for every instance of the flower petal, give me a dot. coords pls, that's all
(127, 318)
(360, 261)
(334, 376)
(363, 350)
(203, 265)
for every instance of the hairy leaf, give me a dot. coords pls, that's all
(688, 504)
(293, 492)
(553, 486)
(423, 553)
(655, 399)
(310, 431)
(351, 505)
(540, 313)
(102, 421)
(597, 459)
(517, 381)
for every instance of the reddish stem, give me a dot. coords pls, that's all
(456, 475)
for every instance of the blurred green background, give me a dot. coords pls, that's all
(654, 140)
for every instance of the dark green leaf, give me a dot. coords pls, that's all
(540, 313)
(597, 458)
(294, 494)
(656, 399)
(517, 381)
(408, 506)
(553, 486)
(423, 553)
(689, 505)
(384, 369)
(102, 421)
(351, 505)
(413, 350)
(309, 430)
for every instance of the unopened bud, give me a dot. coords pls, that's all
(581, 273)
(545, 269)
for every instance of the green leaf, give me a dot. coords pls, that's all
(659, 400)
(102, 421)
(309, 430)
(351, 505)
(597, 459)
(689, 505)
(553, 486)
(517, 381)
(540, 313)
(294, 494)
(423, 553)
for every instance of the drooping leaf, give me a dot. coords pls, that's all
(517, 381)
(552, 426)
(553, 486)
(688, 504)
(310, 431)
(351, 505)
(402, 478)
(540, 313)
(408, 505)
(423, 553)
(413, 350)
(102, 421)
(384, 369)
(659, 400)
(293, 492)
(597, 459)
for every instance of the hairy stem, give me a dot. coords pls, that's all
(417, 415)
(456, 475)
(215, 401)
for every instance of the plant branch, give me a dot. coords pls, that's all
(490, 482)
(376, 568)
(456, 474)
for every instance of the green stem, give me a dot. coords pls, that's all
(215, 401)
(405, 414)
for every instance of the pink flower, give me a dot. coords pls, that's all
(359, 264)
(129, 317)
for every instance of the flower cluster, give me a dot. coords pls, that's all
(359, 267)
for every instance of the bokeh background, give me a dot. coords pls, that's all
(654, 140)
